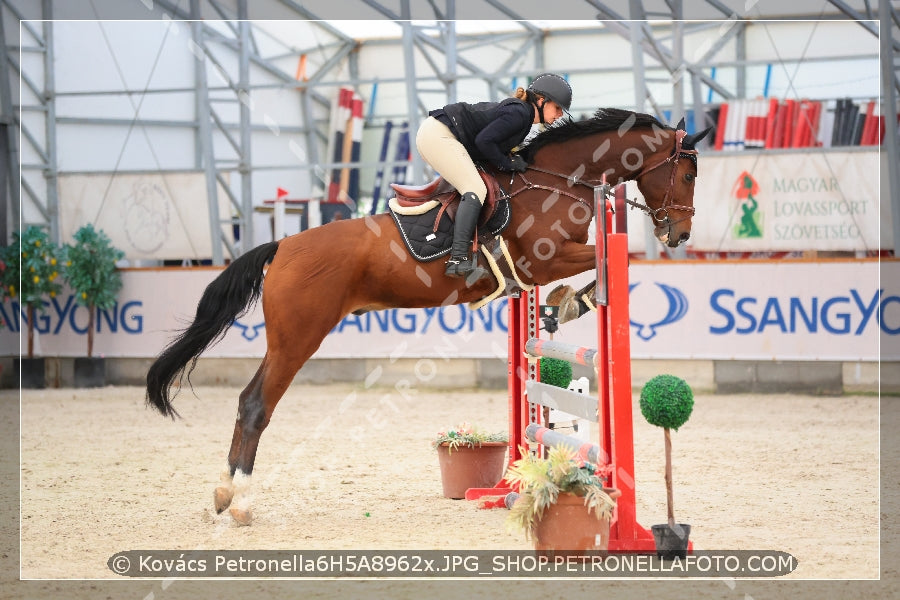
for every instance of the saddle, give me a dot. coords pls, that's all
(412, 199)
(425, 214)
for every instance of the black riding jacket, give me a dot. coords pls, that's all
(488, 130)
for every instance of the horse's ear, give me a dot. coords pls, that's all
(690, 140)
(680, 126)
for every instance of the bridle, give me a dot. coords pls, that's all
(659, 215)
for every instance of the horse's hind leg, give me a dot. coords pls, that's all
(254, 413)
(225, 491)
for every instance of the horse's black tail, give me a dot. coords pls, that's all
(228, 297)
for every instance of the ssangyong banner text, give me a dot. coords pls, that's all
(780, 310)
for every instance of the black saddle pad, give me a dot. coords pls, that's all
(426, 244)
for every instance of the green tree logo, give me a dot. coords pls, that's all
(745, 189)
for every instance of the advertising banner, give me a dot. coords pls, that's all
(778, 310)
(790, 202)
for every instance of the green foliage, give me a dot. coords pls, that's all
(91, 268)
(467, 435)
(8, 256)
(667, 401)
(541, 480)
(556, 372)
(31, 268)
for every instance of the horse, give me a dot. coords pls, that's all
(356, 265)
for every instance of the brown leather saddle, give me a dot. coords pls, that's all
(440, 190)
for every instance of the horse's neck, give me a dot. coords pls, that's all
(621, 158)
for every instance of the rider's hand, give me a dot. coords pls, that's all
(518, 163)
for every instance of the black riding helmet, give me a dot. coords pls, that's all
(554, 88)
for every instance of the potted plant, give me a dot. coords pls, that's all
(469, 458)
(91, 273)
(32, 263)
(667, 402)
(563, 504)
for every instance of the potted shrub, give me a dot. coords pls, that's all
(91, 273)
(563, 504)
(32, 262)
(469, 458)
(667, 402)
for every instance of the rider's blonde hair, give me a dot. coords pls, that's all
(521, 93)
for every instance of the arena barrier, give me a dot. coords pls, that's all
(611, 409)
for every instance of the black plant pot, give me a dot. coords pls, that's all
(31, 373)
(90, 372)
(671, 542)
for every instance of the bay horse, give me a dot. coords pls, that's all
(360, 264)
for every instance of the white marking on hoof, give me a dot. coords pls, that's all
(240, 504)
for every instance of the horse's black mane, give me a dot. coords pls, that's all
(605, 119)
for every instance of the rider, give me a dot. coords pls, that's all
(453, 137)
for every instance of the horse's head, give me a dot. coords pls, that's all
(614, 144)
(667, 185)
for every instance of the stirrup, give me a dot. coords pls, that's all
(465, 267)
(458, 266)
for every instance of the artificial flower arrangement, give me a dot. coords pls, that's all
(467, 435)
(540, 481)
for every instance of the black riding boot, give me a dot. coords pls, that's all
(459, 264)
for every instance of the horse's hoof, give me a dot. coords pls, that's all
(241, 517)
(222, 498)
(558, 295)
(569, 311)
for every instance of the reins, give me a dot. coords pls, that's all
(528, 185)
(660, 215)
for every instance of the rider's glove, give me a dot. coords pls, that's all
(518, 164)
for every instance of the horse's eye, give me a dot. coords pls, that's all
(689, 177)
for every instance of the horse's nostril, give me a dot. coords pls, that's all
(684, 236)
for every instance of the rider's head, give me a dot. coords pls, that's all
(553, 97)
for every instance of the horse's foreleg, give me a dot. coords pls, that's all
(572, 259)
(579, 303)
(576, 259)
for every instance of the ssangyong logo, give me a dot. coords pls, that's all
(249, 332)
(674, 309)
(750, 223)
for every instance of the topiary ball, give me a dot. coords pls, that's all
(667, 401)
(556, 372)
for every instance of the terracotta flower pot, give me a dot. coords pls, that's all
(464, 467)
(567, 526)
